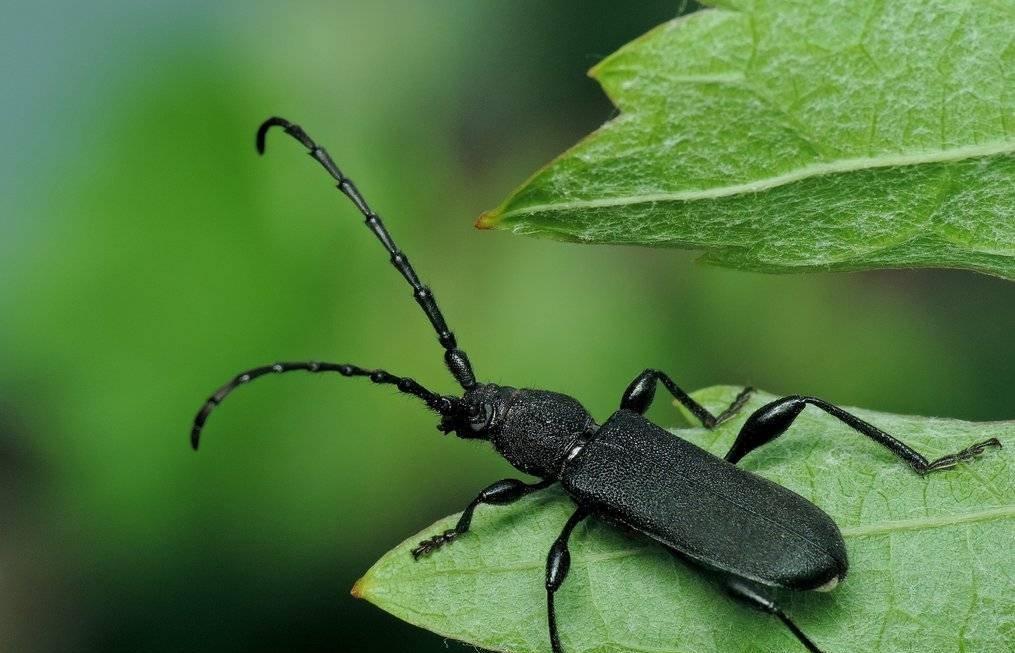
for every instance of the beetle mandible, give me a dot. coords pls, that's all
(747, 532)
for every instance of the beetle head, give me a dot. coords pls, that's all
(478, 413)
(532, 429)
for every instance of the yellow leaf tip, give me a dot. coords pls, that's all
(359, 588)
(488, 220)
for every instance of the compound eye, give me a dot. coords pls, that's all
(480, 416)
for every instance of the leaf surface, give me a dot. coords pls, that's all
(931, 562)
(800, 135)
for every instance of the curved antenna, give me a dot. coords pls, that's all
(443, 405)
(456, 360)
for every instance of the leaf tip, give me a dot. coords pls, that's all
(489, 219)
(358, 590)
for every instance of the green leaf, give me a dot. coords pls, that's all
(931, 562)
(800, 135)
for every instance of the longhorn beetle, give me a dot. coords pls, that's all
(746, 532)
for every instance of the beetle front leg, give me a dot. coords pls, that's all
(558, 563)
(500, 493)
(639, 395)
(773, 419)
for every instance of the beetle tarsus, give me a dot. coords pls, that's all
(428, 546)
(969, 453)
(500, 493)
(738, 402)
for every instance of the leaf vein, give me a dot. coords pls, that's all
(922, 523)
(814, 170)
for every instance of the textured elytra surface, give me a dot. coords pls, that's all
(800, 134)
(930, 557)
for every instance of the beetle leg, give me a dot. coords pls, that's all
(639, 395)
(558, 563)
(773, 419)
(500, 493)
(754, 596)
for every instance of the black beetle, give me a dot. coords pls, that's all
(747, 532)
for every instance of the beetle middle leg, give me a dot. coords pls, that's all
(639, 395)
(500, 493)
(558, 563)
(773, 419)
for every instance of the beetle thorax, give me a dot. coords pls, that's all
(532, 429)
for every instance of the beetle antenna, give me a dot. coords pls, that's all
(446, 406)
(456, 360)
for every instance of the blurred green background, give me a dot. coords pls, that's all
(147, 254)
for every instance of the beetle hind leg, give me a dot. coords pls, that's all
(773, 419)
(756, 598)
